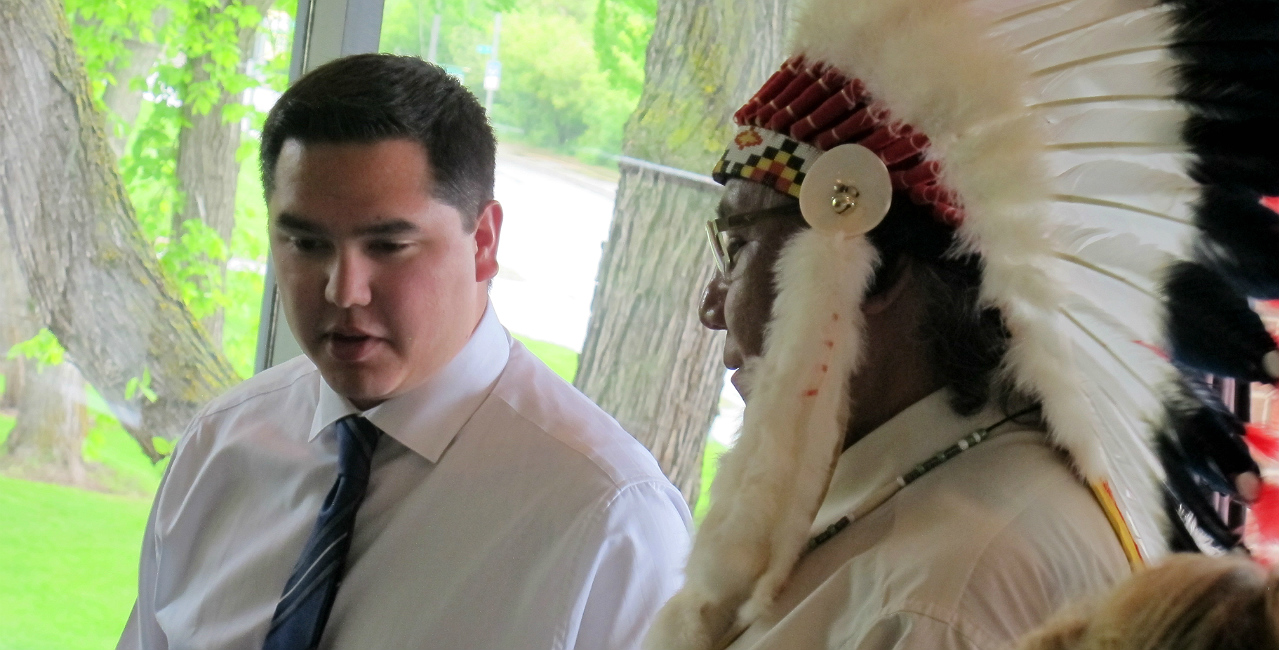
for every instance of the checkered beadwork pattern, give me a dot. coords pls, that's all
(807, 108)
(767, 157)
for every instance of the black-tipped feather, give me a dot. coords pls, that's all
(1227, 74)
(1241, 240)
(1260, 174)
(1179, 537)
(1251, 138)
(1209, 435)
(1217, 21)
(1212, 328)
(1192, 496)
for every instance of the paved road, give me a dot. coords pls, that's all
(557, 216)
(557, 219)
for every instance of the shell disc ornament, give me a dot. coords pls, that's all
(846, 191)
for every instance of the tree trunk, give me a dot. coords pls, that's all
(646, 358)
(122, 101)
(46, 403)
(91, 275)
(52, 421)
(16, 323)
(207, 169)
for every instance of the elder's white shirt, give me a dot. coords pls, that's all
(505, 510)
(971, 556)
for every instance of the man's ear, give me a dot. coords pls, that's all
(488, 230)
(901, 273)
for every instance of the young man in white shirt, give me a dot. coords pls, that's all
(458, 492)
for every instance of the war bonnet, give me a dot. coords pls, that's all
(1105, 159)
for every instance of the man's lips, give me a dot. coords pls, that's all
(351, 346)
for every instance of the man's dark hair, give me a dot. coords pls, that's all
(371, 97)
(967, 341)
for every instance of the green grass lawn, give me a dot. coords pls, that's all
(68, 575)
(560, 359)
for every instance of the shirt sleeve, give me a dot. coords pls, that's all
(142, 631)
(637, 565)
(913, 631)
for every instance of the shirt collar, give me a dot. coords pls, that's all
(907, 439)
(426, 418)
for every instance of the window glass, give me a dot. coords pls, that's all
(558, 97)
(559, 79)
(161, 318)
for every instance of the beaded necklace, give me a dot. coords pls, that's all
(886, 491)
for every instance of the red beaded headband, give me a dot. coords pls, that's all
(806, 109)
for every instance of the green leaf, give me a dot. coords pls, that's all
(43, 348)
(162, 446)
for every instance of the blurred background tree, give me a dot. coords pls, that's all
(647, 360)
(572, 70)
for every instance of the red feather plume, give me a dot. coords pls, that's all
(1262, 441)
(1265, 511)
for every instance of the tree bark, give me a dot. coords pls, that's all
(207, 169)
(91, 275)
(48, 403)
(17, 323)
(52, 422)
(646, 358)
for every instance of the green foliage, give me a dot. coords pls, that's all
(199, 66)
(162, 446)
(194, 261)
(553, 87)
(572, 70)
(115, 453)
(140, 386)
(710, 464)
(622, 31)
(43, 348)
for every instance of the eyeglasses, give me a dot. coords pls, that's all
(717, 230)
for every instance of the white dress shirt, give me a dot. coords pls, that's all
(505, 510)
(971, 556)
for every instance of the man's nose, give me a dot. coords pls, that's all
(348, 284)
(711, 311)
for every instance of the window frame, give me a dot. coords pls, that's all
(325, 30)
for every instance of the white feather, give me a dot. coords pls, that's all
(1141, 30)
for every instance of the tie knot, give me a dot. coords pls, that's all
(357, 438)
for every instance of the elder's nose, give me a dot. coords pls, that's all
(711, 311)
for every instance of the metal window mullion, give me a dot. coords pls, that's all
(325, 30)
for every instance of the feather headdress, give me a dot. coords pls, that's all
(1107, 161)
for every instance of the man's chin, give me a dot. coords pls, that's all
(363, 392)
(742, 377)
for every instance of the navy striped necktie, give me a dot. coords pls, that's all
(308, 596)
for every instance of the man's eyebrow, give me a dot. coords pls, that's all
(388, 227)
(295, 223)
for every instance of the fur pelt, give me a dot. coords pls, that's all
(771, 483)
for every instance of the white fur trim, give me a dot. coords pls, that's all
(771, 483)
